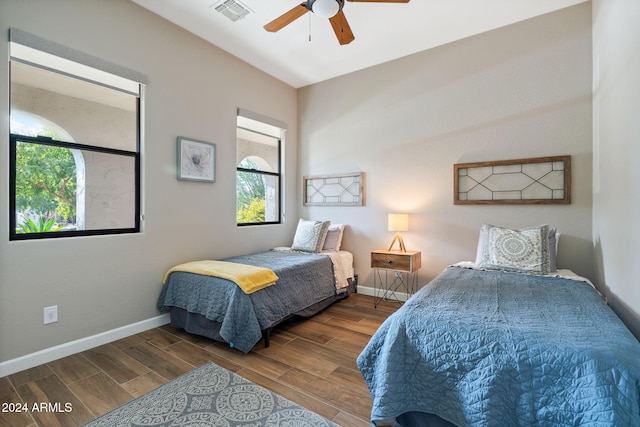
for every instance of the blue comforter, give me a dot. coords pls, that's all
(303, 279)
(480, 348)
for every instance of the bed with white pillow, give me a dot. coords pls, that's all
(308, 277)
(505, 340)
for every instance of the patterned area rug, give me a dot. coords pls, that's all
(211, 396)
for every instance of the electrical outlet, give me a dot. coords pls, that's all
(50, 314)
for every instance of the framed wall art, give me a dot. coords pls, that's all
(334, 190)
(541, 180)
(196, 160)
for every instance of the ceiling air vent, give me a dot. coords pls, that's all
(233, 9)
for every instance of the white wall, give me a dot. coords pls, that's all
(102, 283)
(616, 148)
(516, 92)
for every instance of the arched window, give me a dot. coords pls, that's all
(258, 173)
(50, 180)
(256, 191)
(74, 146)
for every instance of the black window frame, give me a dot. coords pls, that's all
(267, 173)
(15, 138)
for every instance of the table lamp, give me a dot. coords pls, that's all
(397, 223)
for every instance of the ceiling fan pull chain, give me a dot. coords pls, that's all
(309, 28)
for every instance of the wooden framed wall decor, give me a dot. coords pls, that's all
(540, 180)
(346, 189)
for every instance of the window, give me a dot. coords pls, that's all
(74, 143)
(258, 170)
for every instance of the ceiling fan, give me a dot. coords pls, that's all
(331, 9)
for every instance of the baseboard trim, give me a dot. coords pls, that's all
(67, 349)
(402, 296)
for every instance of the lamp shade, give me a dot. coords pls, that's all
(398, 222)
(325, 8)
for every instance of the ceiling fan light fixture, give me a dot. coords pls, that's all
(325, 8)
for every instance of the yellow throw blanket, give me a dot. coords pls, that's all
(248, 277)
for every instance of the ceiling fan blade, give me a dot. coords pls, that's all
(287, 18)
(380, 1)
(341, 28)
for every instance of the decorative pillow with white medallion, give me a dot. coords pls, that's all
(310, 235)
(521, 251)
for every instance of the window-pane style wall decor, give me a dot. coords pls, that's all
(334, 190)
(541, 180)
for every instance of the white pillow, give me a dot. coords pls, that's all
(523, 251)
(310, 235)
(334, 238)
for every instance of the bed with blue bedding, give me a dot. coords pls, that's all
(219, 309)
(478, 348)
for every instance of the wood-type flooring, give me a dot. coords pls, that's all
(311, 362)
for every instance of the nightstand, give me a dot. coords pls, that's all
(394, 272)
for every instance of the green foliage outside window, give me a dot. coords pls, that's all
(45, 183)
(253, 212)
(43, 225)
(250, 190)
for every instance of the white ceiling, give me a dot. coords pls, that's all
(306, 51)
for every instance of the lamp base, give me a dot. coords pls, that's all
(398, 238)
